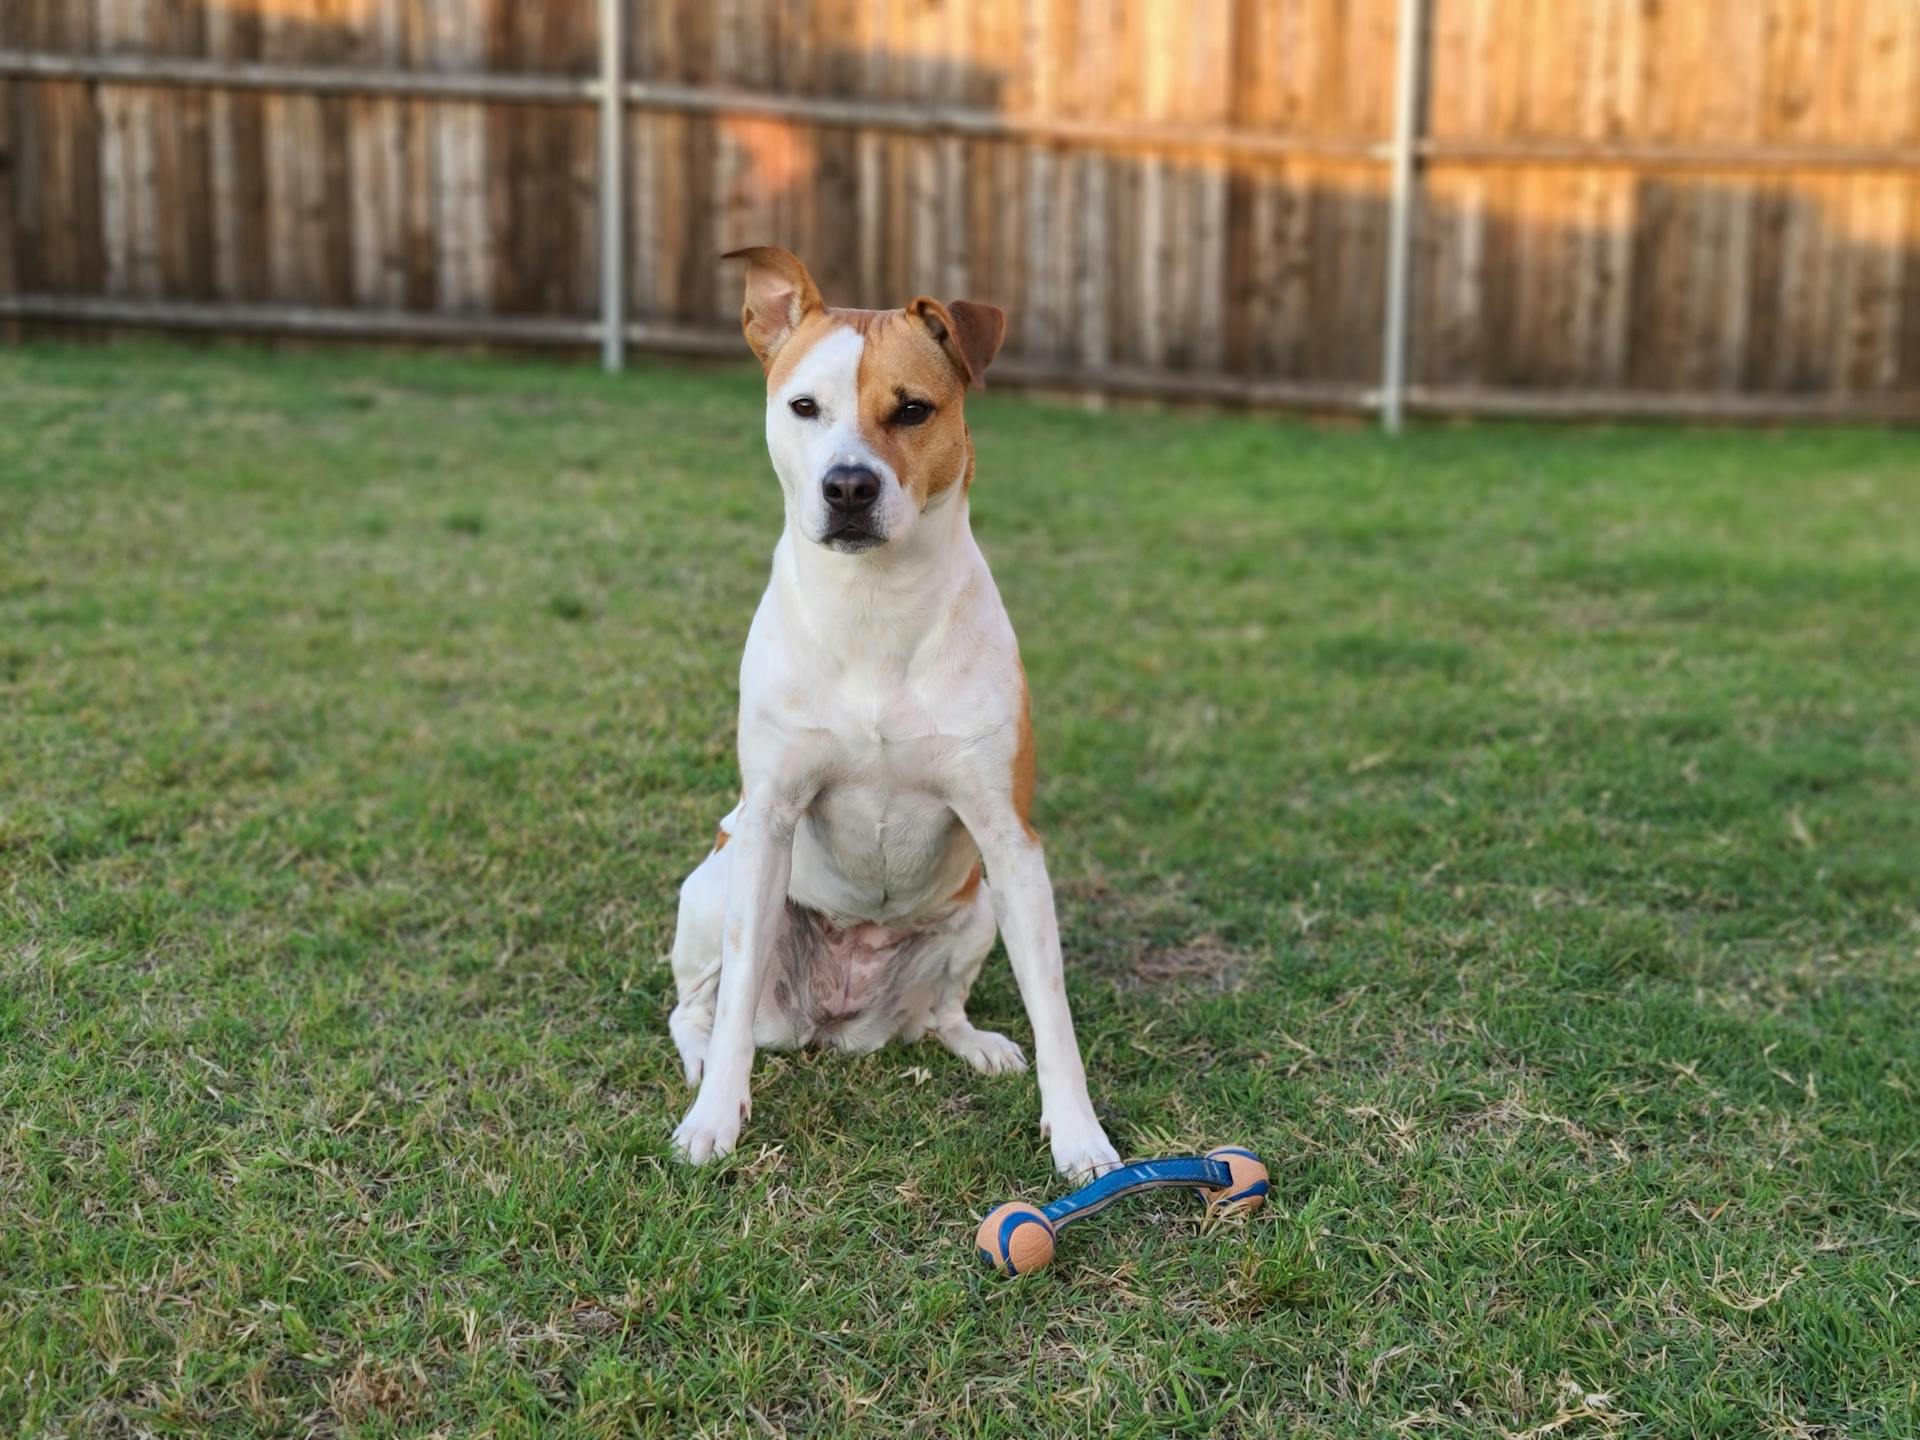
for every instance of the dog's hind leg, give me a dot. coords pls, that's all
(987, 1051)
(696, 960)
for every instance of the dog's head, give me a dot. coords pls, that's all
(864, 407)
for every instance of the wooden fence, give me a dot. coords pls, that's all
(1655, 206)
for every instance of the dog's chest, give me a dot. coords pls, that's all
(893, 733)
(886, 736)
(880, 840)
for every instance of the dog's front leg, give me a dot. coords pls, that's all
(756, 901)
(1023, 898)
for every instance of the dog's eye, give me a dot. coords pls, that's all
(912, 412)
(804, 406)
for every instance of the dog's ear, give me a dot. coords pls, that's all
(968, 331)
(780, 294)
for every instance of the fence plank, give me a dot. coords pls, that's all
(14, 232)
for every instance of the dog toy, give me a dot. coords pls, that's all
(1018, 1239)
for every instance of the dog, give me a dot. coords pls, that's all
(886, 750)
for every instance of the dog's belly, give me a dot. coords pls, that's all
(854, 987)
(879, 881)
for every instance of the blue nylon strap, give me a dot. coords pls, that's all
(1141, 1175)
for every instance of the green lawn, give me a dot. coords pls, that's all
(1511, 832)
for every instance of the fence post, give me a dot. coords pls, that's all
(613, 305)
(1406, 107)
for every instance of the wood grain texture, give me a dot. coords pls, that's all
(1114, 251)
(12, 193)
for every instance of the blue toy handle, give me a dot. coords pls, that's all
(1189, 1172)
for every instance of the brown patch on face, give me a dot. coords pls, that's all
(1023, 777)
(969, 887)
(902, 362)
(720, 838)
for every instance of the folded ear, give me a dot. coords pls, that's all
(780, 294)
(969, 332)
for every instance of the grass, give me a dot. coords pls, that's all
(1511, 832)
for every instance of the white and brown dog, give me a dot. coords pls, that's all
(885, 747)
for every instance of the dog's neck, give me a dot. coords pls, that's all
(877, 609)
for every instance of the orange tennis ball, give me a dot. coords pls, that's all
(1249, 1187)
(1015, 1239)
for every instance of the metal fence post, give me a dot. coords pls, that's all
(1406, 106)
(613, 305)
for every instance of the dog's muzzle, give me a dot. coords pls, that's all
(852, 493)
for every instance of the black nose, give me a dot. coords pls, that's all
(850, 489)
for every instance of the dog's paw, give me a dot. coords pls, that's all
(1081, 1150)
(710, 1130)
(987, 1051)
